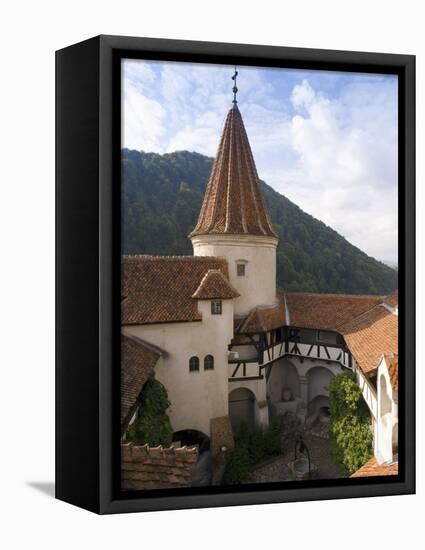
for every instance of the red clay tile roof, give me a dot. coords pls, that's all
(137, 362)
(371, 335)
(215, 285)
(263, 319)
(159, 289)
(326, 311)
(392, 299)
(372, 468)
(145, 468)
(392, 366)
(233, 203)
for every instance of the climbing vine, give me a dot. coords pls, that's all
(152, 424)
(350, 428)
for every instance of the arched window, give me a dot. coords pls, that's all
(194, 364)
(209, 362)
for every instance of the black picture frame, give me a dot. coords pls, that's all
(87, 275)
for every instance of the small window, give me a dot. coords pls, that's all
(240, 270)
(216, 307)
(209, 362)
(194, 364)
(279, 335)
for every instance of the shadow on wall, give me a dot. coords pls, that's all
(241, 408)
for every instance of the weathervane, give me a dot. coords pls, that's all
(235, 90)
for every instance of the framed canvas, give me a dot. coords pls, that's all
(235, 274)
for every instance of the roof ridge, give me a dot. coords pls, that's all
(226, 292)
(127, 257)
(155, 349)
(333, 294)
(357, 317)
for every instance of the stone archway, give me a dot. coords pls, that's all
(201, 475)
(318, 405)
(385, 398)
(318, 379)
(283, 379)
(241, 408)
(192, 437)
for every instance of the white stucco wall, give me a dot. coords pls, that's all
(258, 286)
(195, 397)
(386, 435)
(369, 393)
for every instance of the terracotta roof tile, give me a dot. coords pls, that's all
(371, 335)
(158, 289)
(233, 203)
(392, 299)
(215, 285)
(263, 319)
(137, 362)
(326, 311)
(145, 468)
(392, 366)
(372, 468)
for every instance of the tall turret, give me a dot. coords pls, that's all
(233, 221)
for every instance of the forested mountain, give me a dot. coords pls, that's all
(161, 198)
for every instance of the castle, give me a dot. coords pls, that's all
(228, 345)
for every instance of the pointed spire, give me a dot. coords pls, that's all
(233, 203)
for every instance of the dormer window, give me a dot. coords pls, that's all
(216, 307)
(241, 268)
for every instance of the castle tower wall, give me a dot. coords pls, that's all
(257, 255)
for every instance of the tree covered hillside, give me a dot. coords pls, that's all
(161, 199)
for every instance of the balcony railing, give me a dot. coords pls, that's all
(246, 365)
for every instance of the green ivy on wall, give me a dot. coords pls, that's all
(152, 424)
(350, 428)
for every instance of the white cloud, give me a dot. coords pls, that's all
(142, 121)
(302, 95)
(346, 174)
(334, 154)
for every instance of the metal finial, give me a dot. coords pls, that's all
(235, 89)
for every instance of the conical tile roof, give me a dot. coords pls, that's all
(233, 203)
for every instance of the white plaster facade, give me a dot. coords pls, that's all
(258, 254)
(386, 436)
(196, 397)
(382, 401)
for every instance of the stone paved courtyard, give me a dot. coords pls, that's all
(317, 442)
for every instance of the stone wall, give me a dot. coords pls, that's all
(144, 467)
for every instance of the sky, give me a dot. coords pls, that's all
(326, 140)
